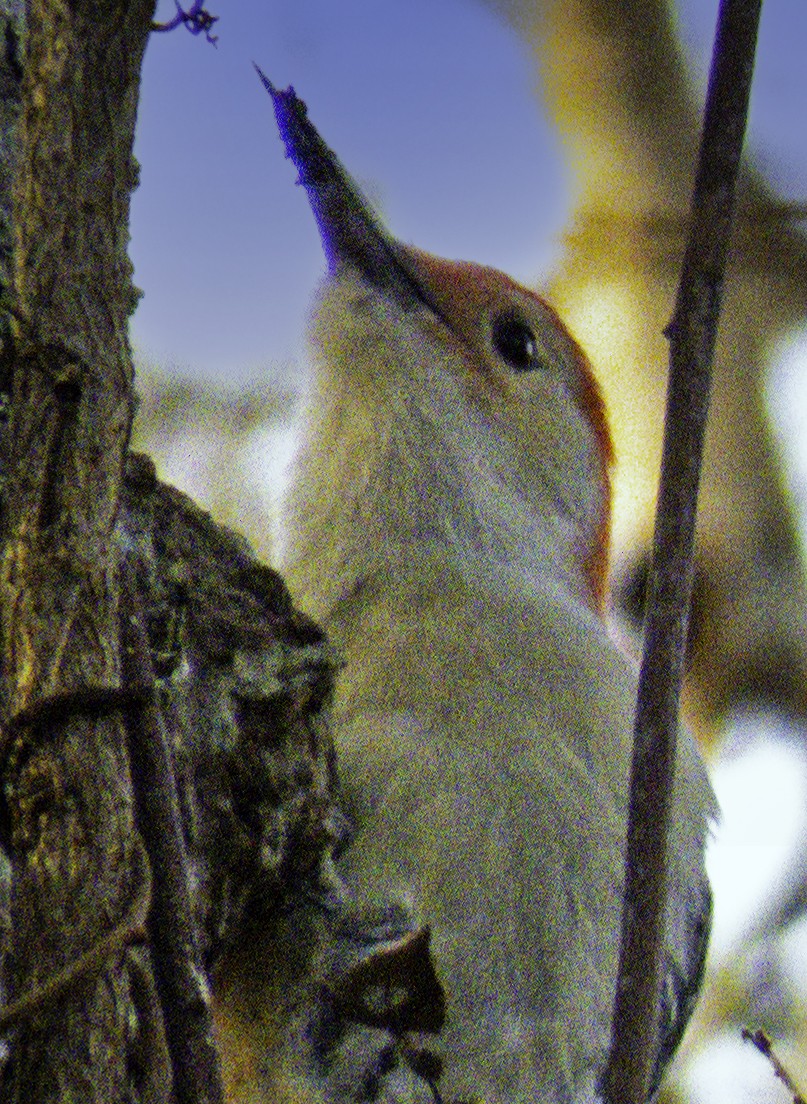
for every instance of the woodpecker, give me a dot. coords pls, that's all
(448, 526)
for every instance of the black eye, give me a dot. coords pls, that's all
(515, 342)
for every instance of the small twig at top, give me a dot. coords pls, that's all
(692, 334)
(197, 20)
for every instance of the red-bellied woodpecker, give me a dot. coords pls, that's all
(449, 528)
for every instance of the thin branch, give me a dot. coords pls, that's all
(131, 928)
(760, 1040)
(692, 335)
(180, 974)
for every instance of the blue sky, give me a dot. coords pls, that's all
(429, 103)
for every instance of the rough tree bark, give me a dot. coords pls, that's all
(68, 803)
(239, 679)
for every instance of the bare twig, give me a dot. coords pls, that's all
(197, 20)
(692, 335)
(181, 981)
(131, 928)
(760, 1040)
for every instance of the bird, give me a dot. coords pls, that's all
(447, 525)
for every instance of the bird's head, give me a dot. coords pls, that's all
(451, 394)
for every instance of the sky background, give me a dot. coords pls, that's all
(428, 103)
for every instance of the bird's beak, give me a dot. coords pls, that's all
(351, 232)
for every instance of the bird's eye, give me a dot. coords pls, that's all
(515, 342)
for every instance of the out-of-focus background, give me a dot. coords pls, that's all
(554, 139)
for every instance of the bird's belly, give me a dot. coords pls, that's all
(512, 853)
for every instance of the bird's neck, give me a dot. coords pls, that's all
(391, 512)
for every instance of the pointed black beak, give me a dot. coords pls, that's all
(351, 232)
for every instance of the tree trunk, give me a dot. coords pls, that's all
(69, 808)
(101, 565)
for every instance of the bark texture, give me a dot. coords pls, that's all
(95, 552)
(68, 809)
